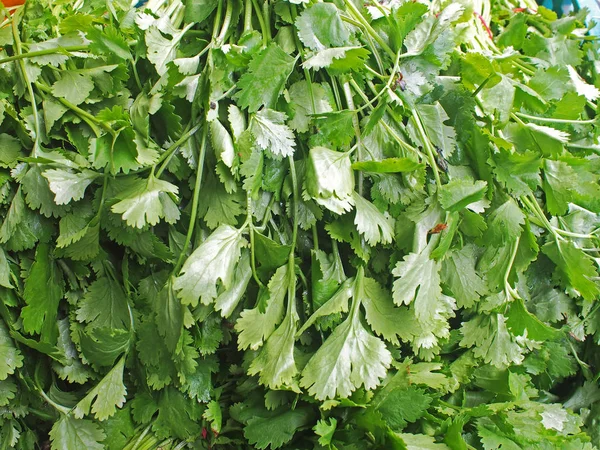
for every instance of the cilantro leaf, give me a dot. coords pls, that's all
(321, 26)
(106, 396)
(492, 340)
(257, 324)
(12, 357)
(75, 433)
(371, 223)
(215, 259)
(68, 186)
(145, 202)
(265, 79)
(329, 179)
(350, 357)
(271, 132)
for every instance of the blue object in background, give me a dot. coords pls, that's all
(594, 8)
(566, 6)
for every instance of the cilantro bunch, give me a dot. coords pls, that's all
(298, 224)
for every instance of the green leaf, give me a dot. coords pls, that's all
(9, 353)
(73, 86)
(275, 363)
(102, 346)
(348, 359)
(418, 283)
(104, 305)
(228, 299)
(325, 430)
(340, 58)
(199, 10)
(460, 193)
(321, 26)
(271, 132)
(459, 274)
(269, 253)
(5, 272)
(492, 340)
(215, 259)
(169, 315)
(338, 302)
(520, 172)
(565, 183)
(222, 143)
(69, 433)
(161, 50)
(145, 202)
(214, 415)
(68, 186)
(575, 268)
(276, 430)
(43, 292)
(372, 224)
(521, 323)
(307, 99)
(108, 395)
(388, 165)
(335, 128)
(404, 405)
(382, 316)
(265, 79)
(257, 324)
(329, 179)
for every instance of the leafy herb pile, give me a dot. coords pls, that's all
(299, 225)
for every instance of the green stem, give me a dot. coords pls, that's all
(267, 18)
(49, 51)
(171, 150)
(428, 147)
(551, 120)
(247, 16)
(509, 291)
(296, 196)
(261, 22)
(18, 50)
(194, 213)
(250, 224)
(367, 26)
(482, 85)
(356, 125)
(89, 119)
(140, 438)
(226, 22)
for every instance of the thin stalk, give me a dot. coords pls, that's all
(48, 51)
(250, 224)
(89, 119)
(296, 196)
(551, 120)
(481, 86)
(267, 18)
(18, 50)
(261, 22)
(140, 438)
(367, 26)
(508, 290)
(533, 206)
(171, 150)
(247, 16)
(226, 23)
(428, 147)
(194, 213)
(356, 125)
